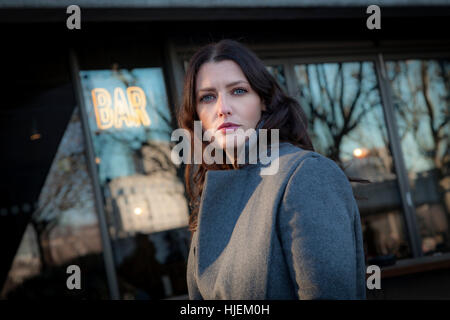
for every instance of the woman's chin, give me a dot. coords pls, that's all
(231, 143)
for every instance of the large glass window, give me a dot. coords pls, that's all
(342, 101)
(147, 212)
(346, 123)
(63, 231)
(421, 93)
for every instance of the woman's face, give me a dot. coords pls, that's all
(225, 100)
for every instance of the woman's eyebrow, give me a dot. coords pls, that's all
(228, 85)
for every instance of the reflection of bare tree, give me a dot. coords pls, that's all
(63, 191)
(421, 91)
(436, 123)
(417, 106)
(67, 187)
(336, 113)
(156, 158)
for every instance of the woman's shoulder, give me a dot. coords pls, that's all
(310, 164)
(315, 178)
(291, 155)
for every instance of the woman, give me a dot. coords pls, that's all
(295, 234)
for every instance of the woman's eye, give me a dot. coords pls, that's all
(205, 96)
(240, 89)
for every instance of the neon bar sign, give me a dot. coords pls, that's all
(120, 108)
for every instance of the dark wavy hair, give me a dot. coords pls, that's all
(282, 111)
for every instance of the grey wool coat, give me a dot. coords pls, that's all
(292, 235)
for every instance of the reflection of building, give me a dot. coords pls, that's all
(68, 243)
(153, 199)
(381, 224)
(148, 203)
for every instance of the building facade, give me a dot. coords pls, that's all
(87, 116)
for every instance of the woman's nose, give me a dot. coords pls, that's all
(223, 107)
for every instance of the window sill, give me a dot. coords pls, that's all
(416, 265)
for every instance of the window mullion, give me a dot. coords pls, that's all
(392, 130)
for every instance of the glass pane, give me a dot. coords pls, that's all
(346, 124)
(144, 195)
(63, 231)
(277, 71)
(421, 90)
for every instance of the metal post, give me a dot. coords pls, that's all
(106, 241)
(400, 168)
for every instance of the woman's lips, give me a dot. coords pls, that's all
(228, 129)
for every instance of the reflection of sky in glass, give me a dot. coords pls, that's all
(408, 79)
(115, 147)
(342, 99)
